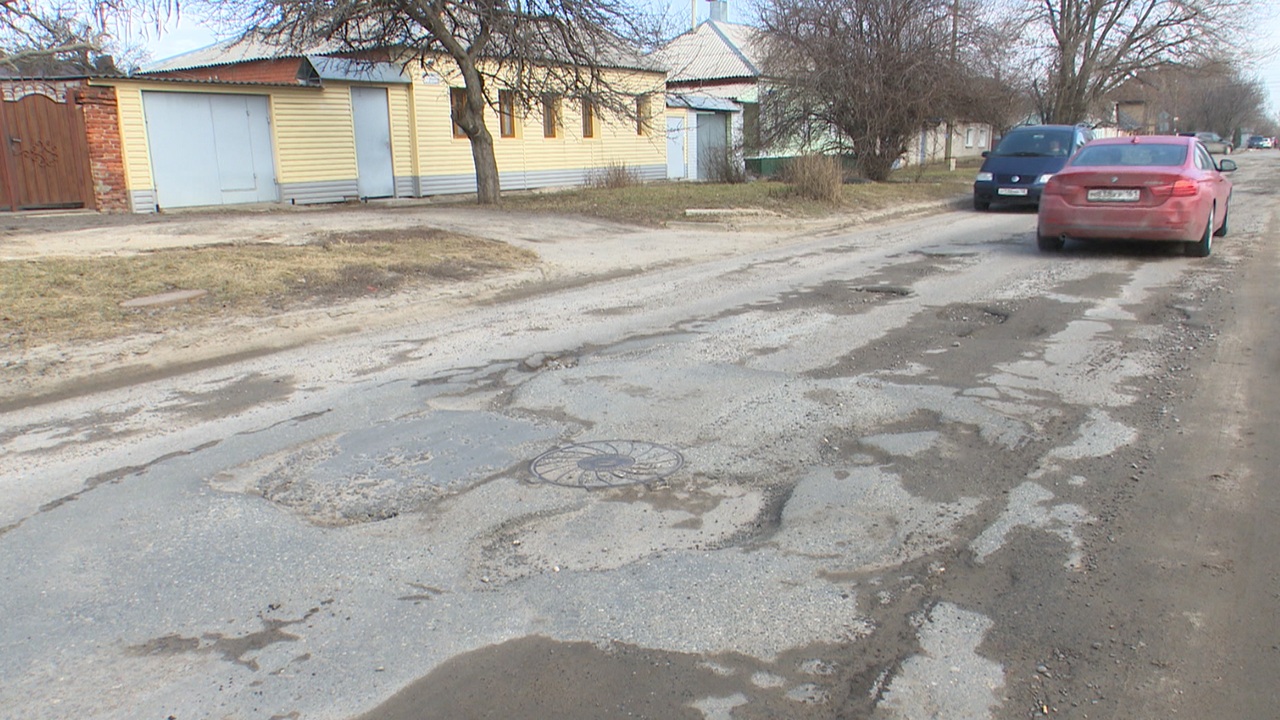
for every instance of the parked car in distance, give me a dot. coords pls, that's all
(1164, 188)
(1212, 141)
(1016, 171)
(1261, 142)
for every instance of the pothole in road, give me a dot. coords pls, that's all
(606, 463)
(382, 471)
(973, 317)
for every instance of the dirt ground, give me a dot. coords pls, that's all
(572, 251)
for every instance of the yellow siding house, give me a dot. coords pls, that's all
(234, 124)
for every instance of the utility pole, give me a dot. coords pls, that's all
(955, 41)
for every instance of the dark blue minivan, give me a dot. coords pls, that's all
(1016, 171)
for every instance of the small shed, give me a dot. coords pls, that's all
(704, 137)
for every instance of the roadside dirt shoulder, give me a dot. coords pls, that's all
(571, 251)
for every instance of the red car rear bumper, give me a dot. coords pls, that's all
(1175, 220)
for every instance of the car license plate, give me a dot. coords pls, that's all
(1011, 191)
(1113, 195)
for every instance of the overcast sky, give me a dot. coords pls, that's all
(1260, 38)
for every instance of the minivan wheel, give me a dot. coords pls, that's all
(1205, 244)
(981, 205)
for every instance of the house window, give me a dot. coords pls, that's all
(982, 137)
(457, 101)
(588, 119)
(968, 137)
(550, 116)
(507, 113)
(644, 114)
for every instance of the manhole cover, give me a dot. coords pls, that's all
(606, 463)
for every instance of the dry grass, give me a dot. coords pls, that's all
(614, 176)
(60, 299)
(662, 202)
(817, 177)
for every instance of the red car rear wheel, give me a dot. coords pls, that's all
(1202, 247)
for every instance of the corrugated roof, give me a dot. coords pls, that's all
(328, 68)
(618, 54)
(227, 52)
(108, 79)
(714, 50)
(702, 102)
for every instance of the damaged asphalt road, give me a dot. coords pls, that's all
(918, 470)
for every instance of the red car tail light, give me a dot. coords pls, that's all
(1179, 188)
(1053, 187)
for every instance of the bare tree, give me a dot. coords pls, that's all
(859, 76)
(533, 49)
(73, 36)
(1215, 95)
(989, 84)
(1094, 46)
(1218, 97)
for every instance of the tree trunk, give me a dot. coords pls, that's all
(488, 190)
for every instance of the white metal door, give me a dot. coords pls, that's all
(209, 149)
(372, 119)
(676, 169)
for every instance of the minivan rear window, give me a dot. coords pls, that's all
(1165, 155)
(1035, 143)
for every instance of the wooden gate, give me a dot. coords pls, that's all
(44, 153)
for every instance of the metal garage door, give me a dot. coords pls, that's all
(372, 120)
(209, 149)
(713, 144)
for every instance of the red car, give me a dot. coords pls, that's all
(1154, 187)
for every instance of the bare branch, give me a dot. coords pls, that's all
(1095, 46)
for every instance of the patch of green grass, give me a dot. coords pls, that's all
(59, 298)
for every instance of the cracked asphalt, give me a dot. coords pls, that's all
(924, 471)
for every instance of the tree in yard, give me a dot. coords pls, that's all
(988, 85)
(1091, 47)
(56, 37)
(1216, 96)
(859, 76)
(533, 50)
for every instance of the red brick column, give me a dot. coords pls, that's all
(106, 161)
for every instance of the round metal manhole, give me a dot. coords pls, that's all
(606, 463)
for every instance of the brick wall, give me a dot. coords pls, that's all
(283, 71)
(106, 161)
